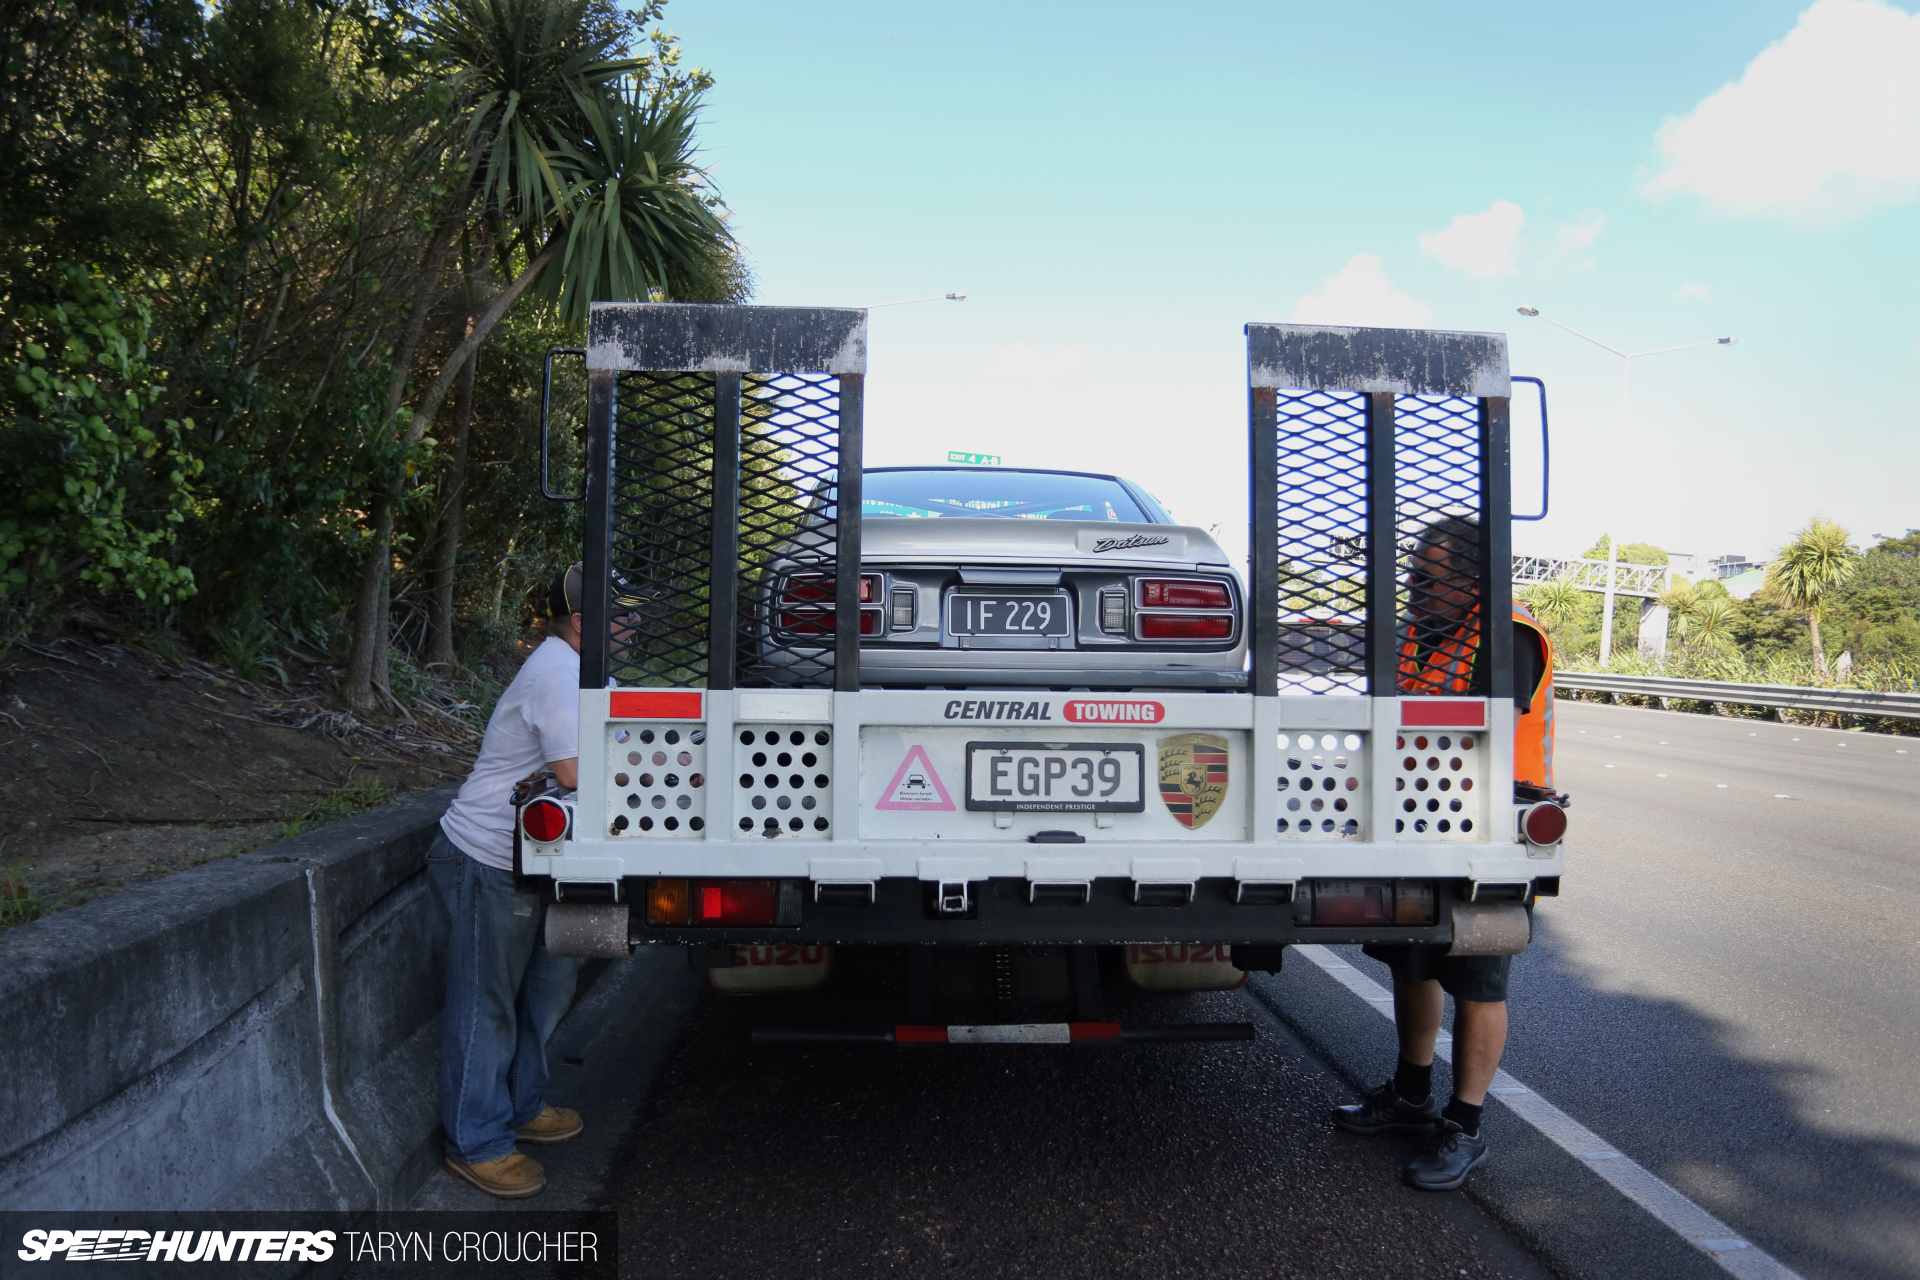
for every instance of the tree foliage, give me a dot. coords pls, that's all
(265, 223)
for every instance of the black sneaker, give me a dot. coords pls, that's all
(1449, 1157)
(1385, 1111)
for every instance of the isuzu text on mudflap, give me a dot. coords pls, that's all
(1018, 731)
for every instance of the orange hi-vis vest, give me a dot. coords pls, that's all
(1447, 668)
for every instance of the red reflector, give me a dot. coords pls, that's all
(1094, 1030)
(869, 621)
(1351, 902)
(654, 704)
(1444, 713)
(869, 588)
(544, 821)
(1162, 593)
(919, 1035)
(733, 902)
(1175, 626)
(1545, 824)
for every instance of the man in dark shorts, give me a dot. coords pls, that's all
(1439, 651)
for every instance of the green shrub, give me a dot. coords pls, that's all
(88, 487)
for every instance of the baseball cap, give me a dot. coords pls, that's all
(566, 591)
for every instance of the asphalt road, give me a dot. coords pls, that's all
(1147, 1161)
(1730, 988)
(1726, 992)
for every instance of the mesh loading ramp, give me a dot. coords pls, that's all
(1365, 445)
(731, 438)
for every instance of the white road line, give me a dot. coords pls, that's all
(1737, 1256)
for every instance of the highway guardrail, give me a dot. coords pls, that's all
(1851, 702)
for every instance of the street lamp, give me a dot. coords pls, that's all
(938, 297)
(1626, 381)
(1626, 357)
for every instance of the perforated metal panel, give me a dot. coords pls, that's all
(785, 787)
(1441, 543)
(1322, 576)
(1323, 786)
(789, 449)
(661, 498)
(1440, 786)
(657, 780)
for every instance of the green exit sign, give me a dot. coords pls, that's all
(975, 459)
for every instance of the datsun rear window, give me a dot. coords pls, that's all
(1010, 495)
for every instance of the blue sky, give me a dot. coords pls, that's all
(1119, 187)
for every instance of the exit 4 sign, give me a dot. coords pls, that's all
(975, 459)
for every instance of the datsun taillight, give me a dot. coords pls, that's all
(1183, 593)
(804, 605)
(1183, 609)
(1174, 626)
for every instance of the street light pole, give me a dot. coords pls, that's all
(1626, 357)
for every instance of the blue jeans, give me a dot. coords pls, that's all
(505, 995)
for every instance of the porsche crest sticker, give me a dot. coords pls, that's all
(1193, 776)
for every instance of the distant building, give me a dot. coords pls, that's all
(1725, 567)
(1684, 563)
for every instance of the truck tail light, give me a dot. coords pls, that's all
(1181, 626)
(1413, 902)
(544, 821)
(804, 605)
(905, 609)
(716, 903)
(1353, 902)
(1113, 612)
(1183, 593)
(1373, 902)
(733, 902)
(1544, 823)
(667, 902)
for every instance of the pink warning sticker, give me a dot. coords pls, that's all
(916, 785)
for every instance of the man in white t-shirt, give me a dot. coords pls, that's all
(505, 993)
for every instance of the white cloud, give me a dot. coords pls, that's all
(1359, 294)
(1567, 248)
(1693, 291)
(1022, 361)
(1480, 244)
(1823, 125)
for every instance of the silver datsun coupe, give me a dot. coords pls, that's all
(1002, 577)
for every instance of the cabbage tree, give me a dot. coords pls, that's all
(574, 164)
(1806, 572)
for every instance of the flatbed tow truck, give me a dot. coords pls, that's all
(757, 785)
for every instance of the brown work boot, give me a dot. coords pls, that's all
(553, 1124)
(511, 1177)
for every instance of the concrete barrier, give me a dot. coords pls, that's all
(259, 1033)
